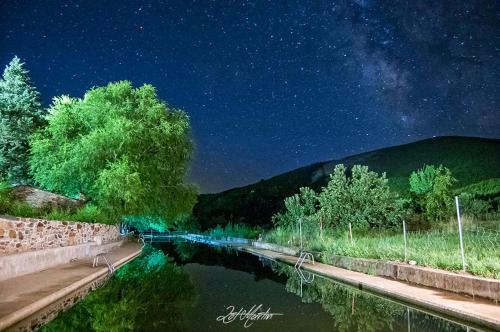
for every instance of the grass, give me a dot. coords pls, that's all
(437, 248)
(234, 230)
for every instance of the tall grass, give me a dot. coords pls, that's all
(234, 230)
(437, 248)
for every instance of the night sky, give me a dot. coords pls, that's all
(274, 85)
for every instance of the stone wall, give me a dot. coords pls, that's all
(26, 234)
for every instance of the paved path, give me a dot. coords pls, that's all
(478, 311)
(24, 295)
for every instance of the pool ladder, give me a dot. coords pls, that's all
(300, 261)
(111, 268)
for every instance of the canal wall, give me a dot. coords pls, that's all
(28, 302)
(26, 234)
(441, 279)
(15, 265)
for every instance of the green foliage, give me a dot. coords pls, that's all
(484, 189)
(230, 230)
(431, 189)
(5, 198)
(20, 115)
(123, 148)
(147, 294)
(88, 213)
(482, 199)
(146, 223)
(437, 248)
(300, 206)
(363, 200)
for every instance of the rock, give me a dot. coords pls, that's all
(40, 198)
(412, 263)
(12, 234)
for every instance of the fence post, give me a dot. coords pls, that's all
(408, 312)
(350, 232)
(404, 236)
(460, 232)
(300, 232)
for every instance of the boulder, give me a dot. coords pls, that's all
(40, 198)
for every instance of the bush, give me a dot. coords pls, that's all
(364, 200)
(431, 192)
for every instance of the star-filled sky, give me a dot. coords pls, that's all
(274, 85)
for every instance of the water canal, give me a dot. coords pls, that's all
(182, 286)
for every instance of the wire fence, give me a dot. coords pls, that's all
(473, 247)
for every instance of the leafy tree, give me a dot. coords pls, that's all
(431, 191)
(364, 200)
(299, 207)
(20, 114)
(122, 148)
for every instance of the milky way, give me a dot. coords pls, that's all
(273, 85)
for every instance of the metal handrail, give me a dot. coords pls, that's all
(303, 256)
(300, 261)
(141, 239)
(310, 276)
(111, 268)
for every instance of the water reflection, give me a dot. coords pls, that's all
(147, 294)
(182, 286)
(355, 310)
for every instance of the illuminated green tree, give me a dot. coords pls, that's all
(363, 199)
(122, 148)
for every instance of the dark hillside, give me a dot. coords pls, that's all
(470, 159)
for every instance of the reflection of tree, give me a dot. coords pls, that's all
(354, 310)
(148, 294)
(186, 250)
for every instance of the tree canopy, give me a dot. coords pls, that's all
(20, 114)
(121, 147)
(431, 191)
(363, 199)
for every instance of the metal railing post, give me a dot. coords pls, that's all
(350, 232)
(300, 232)
(404, 236)
(460, 232)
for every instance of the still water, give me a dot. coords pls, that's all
(181, 286)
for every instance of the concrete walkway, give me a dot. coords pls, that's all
(23, 296)
(482, 313)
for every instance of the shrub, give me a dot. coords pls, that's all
(431, 192)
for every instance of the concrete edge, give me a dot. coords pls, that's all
(451, 281)
(19, 315)
(458, 314)
(455, 282)
(28, 262)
